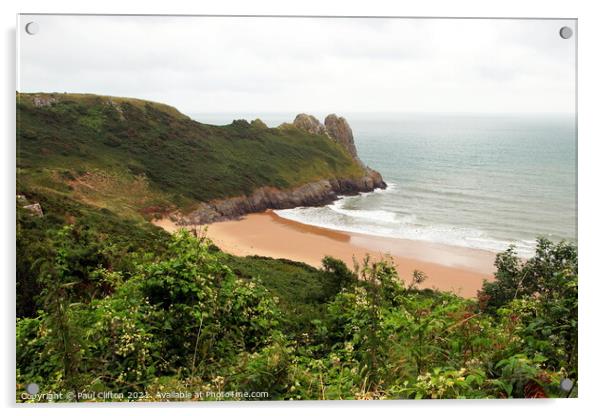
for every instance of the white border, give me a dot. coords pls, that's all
(590, 210)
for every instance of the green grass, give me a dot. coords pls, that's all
(302, 290)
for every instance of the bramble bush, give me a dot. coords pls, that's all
(183, 318)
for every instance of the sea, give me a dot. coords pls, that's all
(482, 181)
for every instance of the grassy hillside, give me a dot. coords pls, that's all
(139, 157)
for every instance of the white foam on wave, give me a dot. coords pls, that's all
(375, 215)
(390, 224)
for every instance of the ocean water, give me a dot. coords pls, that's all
(479, 181)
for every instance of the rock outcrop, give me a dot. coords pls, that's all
(309, 123)
(311, 194)
(35, 209)
(258, 123)
(334, 127)
(338, 129)
(44, 101)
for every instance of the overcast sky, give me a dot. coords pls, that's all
(250, 65)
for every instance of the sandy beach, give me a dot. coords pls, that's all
(449, 268)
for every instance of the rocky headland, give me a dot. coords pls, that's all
(317, 193)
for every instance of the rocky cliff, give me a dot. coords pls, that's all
(311, 194)
(334, 127)
(338, 129)
(309, 123)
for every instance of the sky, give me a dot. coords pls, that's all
(319, 65)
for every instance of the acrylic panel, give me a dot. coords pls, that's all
(307, 208)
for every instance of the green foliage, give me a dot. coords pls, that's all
(446, 384)
(302, 291)
(540, 296)
(95, 240)
(343, 277)
(182, 312)
(550, 273)
(193, 318)
(121, 351)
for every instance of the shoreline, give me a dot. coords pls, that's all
(449, 268)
